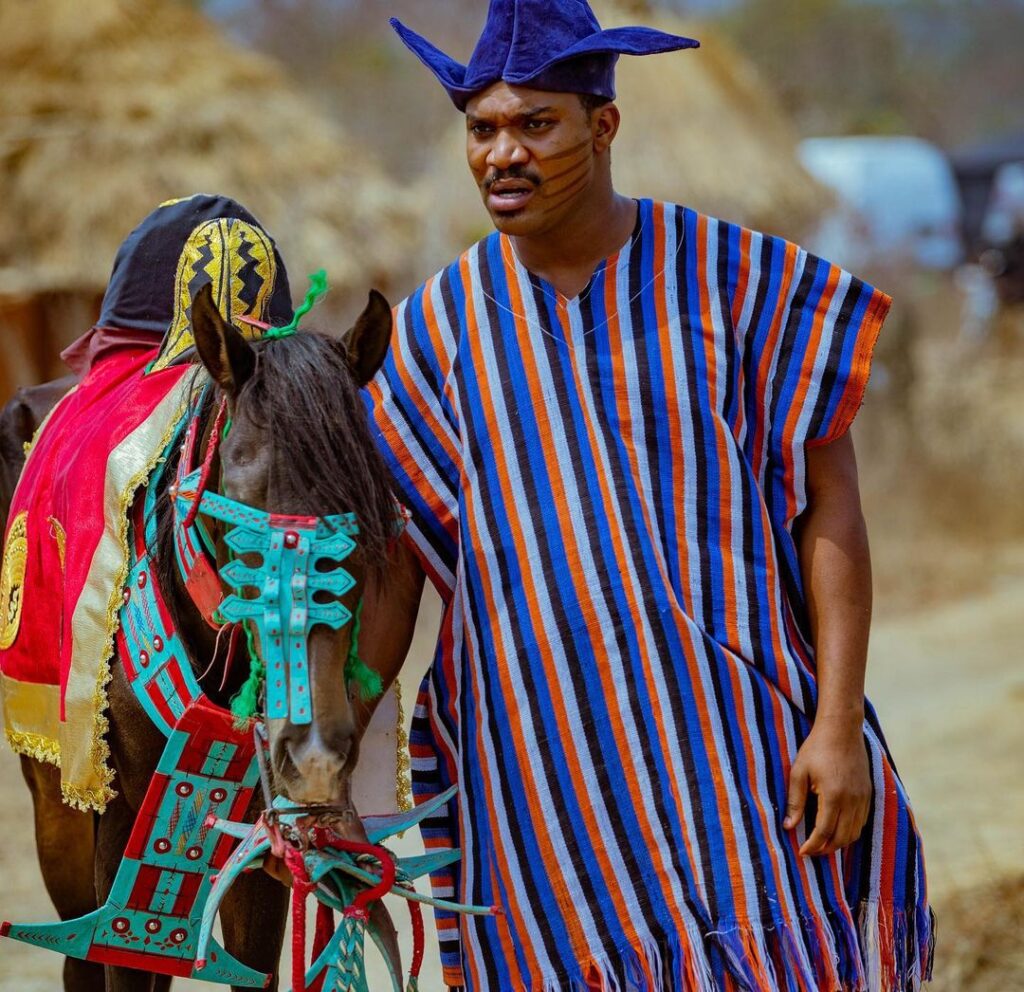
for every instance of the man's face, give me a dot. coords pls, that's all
(533, 155)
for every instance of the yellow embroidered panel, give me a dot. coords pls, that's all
(237, 259)
(31, 718)
(12, 579)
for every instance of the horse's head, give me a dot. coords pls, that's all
(299, 448)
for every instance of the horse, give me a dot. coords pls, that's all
(299, 445)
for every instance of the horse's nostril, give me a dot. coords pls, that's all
(310, 773)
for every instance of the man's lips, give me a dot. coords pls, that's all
(509, 195)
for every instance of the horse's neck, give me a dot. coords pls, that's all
(200, 640)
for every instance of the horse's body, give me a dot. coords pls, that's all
(297, 424)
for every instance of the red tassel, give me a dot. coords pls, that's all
(301, 888)
(416, 918)
(324, 928)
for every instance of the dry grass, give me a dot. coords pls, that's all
(940, 444)
(110, 107)
(981, 939)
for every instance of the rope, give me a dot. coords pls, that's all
(350, 959)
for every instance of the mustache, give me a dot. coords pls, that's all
(516, 172)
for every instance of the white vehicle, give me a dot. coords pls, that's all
(897, 200)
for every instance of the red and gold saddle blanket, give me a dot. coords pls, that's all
(65, 557)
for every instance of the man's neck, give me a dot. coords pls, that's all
(567, 256)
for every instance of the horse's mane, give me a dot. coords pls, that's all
(303, 395)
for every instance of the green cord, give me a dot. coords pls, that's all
(317, 290)
(368, 683)
(245, 704)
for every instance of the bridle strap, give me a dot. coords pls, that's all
(212, 444)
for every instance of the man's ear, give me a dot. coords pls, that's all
(228, 357)
(367, 343)
(605, 126)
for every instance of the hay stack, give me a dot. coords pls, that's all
(110, 107)
(698, 127)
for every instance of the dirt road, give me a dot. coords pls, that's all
(948, 683)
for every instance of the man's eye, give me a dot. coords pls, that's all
(480, 130)
(536, 125)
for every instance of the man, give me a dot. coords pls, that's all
(622, 430)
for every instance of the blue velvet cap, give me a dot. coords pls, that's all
(554, 45)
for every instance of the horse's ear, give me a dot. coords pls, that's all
(228, 357)
(367, 343)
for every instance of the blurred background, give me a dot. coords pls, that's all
(887, 135)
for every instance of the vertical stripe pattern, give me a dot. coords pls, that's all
(603, 491)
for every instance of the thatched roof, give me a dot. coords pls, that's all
(109, 107)
(698, 127)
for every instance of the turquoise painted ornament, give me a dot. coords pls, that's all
(285, 608)
(286, 583)
(153, 917)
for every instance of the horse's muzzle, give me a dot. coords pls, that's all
(310, 771)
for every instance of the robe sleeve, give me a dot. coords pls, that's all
(416, 431)
(810, 334)
(807, 330)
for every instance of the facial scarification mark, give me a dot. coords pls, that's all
(573, 168)
(575, 178)
(565, 153)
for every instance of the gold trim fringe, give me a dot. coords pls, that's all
(403, 770)
(34, 746)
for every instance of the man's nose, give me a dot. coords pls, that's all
(506, 151)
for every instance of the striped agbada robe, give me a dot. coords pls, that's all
(603, 491)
